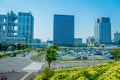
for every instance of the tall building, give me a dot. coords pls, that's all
(117, 38)
(19, 27)
(63, 34)
(26, 26)
(103, 31)
(8, 25)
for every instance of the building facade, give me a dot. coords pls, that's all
(25, 26)
(63, 33)
(16, 26)
(8, 25)
(36, 40)
(90, 41)
(117, 38)
(13, 40)
(103, 31)
(78, 41)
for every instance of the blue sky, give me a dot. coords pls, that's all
(85, 12)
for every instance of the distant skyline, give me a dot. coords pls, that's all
(85, 12)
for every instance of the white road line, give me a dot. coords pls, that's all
(26, 76)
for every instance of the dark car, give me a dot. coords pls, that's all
(111, 57)
(84, 58)
(78, 58)
(23, 54)
(13, 55)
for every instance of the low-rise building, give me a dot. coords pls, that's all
(78, 41)
(90, 41)
(13, 40)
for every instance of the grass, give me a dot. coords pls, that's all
(37, 56)
(18, 52)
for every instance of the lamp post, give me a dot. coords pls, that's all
(94, 60)
(42, 66)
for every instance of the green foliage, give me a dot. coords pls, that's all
(50, 55)
(46, 74)
(116, 53)
(16, 52)
(55, 47)
(37, 56)
(4, 47)
(107, 71)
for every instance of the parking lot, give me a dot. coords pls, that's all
(84, 53)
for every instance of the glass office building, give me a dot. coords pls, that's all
(26, 26)
(103, 31)
(63, 33)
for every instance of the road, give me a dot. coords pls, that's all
(16, 68)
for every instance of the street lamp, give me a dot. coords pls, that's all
(94, 60)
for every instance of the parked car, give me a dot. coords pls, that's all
(78, 58)
(111, 57)
(84, 57)
(13, 55)
(23, 54)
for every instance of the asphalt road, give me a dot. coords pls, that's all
(14, 63)
(14, 75)
(16, 68)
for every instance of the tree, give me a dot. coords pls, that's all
(18, 46)
(0, 47)
(116, 53)
(50, 55)
(23, 46)
(4, 47)
(55, 47)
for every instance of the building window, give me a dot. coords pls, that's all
(19, 19)
(23, 33)
(27, 20)
(23, 19)
(15, 27)
(4, 27)
(27, 27)
(4, 20)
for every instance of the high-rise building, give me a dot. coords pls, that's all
(8, 25)
(103, 31)
(26, 26)
(117, 38)
(19, 27)
(63, 30)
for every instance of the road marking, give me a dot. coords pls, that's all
(26, 76)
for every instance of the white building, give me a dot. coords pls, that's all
(102, 30)
(16, 26)
(116, 37)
